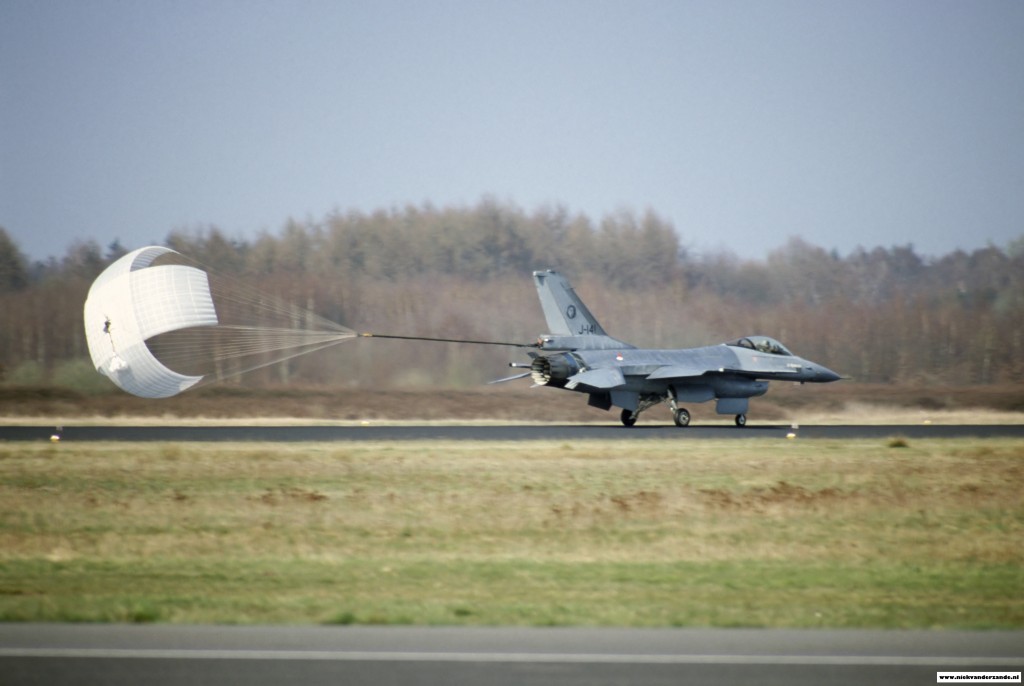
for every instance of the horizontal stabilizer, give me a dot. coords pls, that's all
(677, 372)
(610, 377)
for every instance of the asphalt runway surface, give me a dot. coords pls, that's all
(503, 432)
(162, 655)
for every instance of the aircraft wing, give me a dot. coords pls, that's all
(605, 378)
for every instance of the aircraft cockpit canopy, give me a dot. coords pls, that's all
(762, 344)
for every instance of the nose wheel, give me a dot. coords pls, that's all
(681, 416)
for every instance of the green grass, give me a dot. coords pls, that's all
(694, 533)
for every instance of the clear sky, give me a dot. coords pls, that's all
(852, 123)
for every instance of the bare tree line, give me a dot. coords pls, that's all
(879, 315)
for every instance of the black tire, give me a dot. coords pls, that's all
(681, 417)
(628, 418)
(741, 420)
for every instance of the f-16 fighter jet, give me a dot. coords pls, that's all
(578, 355)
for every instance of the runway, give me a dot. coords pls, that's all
(162, 655)
(498, 432)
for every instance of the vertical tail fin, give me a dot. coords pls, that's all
(564, 311)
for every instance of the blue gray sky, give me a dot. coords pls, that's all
(853, 123)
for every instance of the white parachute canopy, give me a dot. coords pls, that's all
(157, 325)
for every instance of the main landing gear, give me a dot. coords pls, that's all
(629, 417)
(680, 415)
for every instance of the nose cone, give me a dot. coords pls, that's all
(812, 372)
(824, 374)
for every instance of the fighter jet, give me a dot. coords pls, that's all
(578, 355)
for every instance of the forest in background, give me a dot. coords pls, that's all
(877, 315)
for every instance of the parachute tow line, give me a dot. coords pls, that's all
(448, 340)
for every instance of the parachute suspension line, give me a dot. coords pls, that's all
(230, 289)
(267, 305)
(277, 360)
(226, 342)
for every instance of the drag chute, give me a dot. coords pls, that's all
(157, 324)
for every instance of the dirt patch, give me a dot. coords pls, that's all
(289, 495)
(781, 493)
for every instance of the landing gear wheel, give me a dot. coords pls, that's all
(628, 418)
(741, 420)
(681, 417)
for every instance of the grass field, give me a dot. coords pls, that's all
(697, 533)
